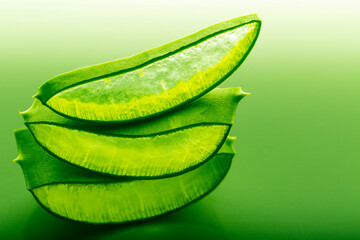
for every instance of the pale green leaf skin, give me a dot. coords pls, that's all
(154, 81)
(79, 195)
(165, 146)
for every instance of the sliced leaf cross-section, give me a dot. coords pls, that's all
(156, 80)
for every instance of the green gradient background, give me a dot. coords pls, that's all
(297, 171)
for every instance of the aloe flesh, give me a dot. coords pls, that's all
(158, 155)
(156, 80)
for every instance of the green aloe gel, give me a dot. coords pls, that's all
(156, 80)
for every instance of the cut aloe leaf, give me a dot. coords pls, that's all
(151, 155)
(166, 146)
(156, 80)
(79, 195)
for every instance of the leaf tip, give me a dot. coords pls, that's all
(240, 94)
(229, 144)
(17, 160)
(25, 114)
(36, 95)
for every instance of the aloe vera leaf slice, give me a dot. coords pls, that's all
(141, 156)
(110, 200)
(156, 80)
(134, 200)
(41, 168)
(217, 106)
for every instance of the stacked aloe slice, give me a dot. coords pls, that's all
(137, 137)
